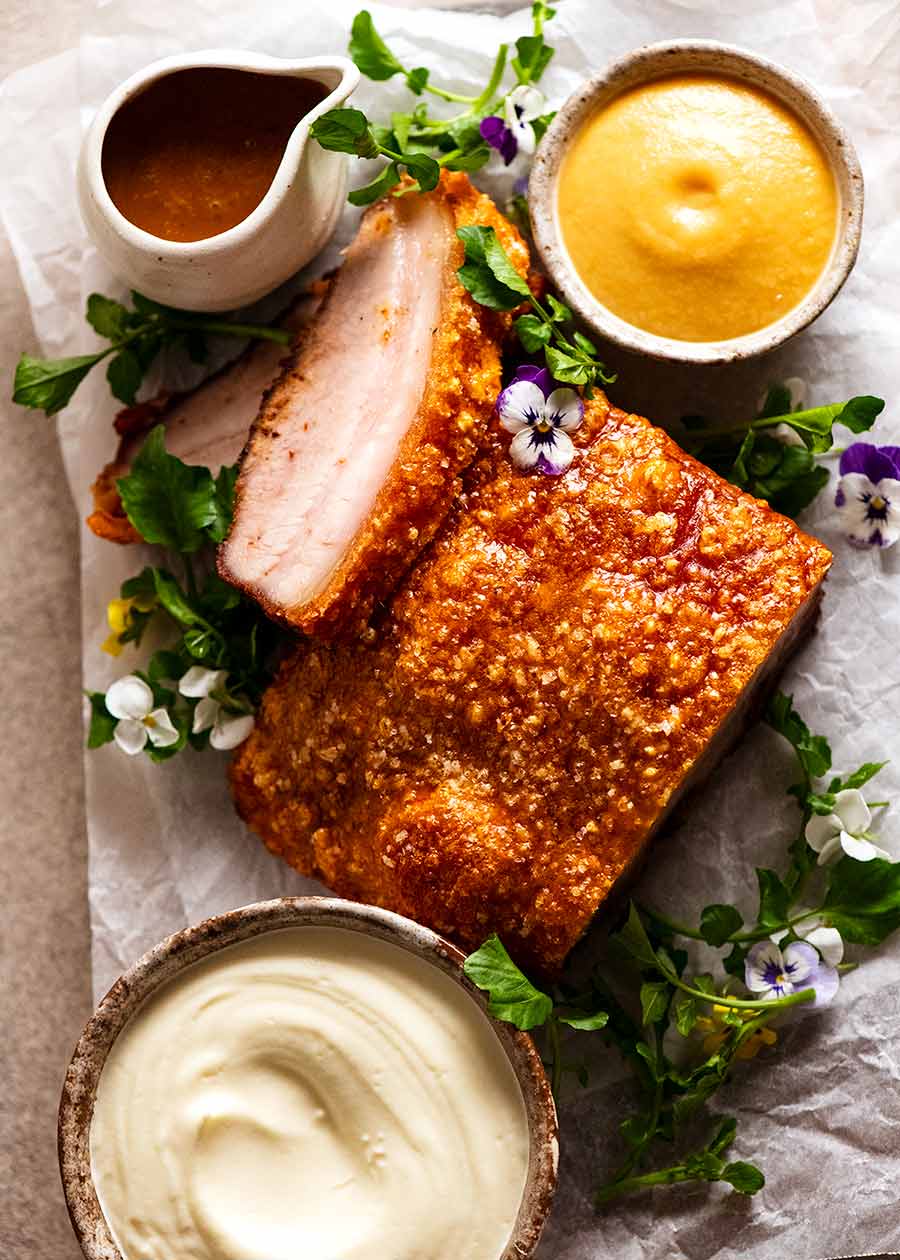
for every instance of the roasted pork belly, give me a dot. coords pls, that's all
(569, 657)
(208, 425)
(354, 459)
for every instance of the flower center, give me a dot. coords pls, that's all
(877, 507)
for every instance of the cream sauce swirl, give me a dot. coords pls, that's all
(313, 1092)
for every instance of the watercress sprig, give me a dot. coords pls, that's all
(513, 997)
(136, 336)
(785, 474)
(213, 627)
(489, 275)
(856, 901)
(415, 141)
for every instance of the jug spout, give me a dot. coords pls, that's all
(279, 227)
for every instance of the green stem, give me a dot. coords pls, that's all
(667, 1177)
(450, 96)
(741, 1004)
(494, 81)
(255, 332)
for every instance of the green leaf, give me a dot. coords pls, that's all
(424, 169)
(792, 498)
(125, 374)
(175, 602)
(725, 1135)
(865, 772)
(380, 186)
(369, 51)
(734, 962)
(815, 424)
(687, 1012)
(586, 1023)
(634, 940)
(512, 996)
(533, 56)
(859, 414)
(223, 502)
(654, 1001)
(559, 312)
(165, 665)
(690, 1103)
(168, 502)
(745, 1178)
(471, 160)
(634, 1129)
(103, 724)
(142, 585)
(48, 384)
(416, 80)
(774, 899)
(719, 922)
(584, 344)
(564, 368)
(487, 273)
(345, 131)
(108, 318)
(704, 1165)
(217, 597)
(532, 332)
(777, 403)
(812, 751)
(649, 1058)
(863, 900)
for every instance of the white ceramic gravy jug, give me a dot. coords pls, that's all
(290, 225)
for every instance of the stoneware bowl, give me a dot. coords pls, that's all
(678, 57)
(184, 948)
(289, 226)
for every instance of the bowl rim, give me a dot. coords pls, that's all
(321, 69)
(643, 65)
(192, 944)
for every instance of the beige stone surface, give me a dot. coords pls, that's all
(44, 976)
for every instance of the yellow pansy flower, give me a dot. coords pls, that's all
(119, 615)
(717, 1030)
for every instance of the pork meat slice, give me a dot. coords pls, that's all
(208, 425)
(354, 459)
(569, 657)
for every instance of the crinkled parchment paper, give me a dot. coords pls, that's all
(822, 1115)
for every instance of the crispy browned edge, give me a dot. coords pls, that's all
(445, 437)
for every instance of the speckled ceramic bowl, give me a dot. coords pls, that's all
(194, 943)
(650, 62)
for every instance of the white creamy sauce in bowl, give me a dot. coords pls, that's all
(313, 1093)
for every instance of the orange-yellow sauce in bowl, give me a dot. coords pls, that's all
(697, 207)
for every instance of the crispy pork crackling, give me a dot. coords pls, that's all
(565, 661)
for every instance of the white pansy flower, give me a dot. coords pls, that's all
(810, 927)
(523, 105)
(227, 729)
(131, 701)
(845, 830)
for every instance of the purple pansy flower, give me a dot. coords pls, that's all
(771, 973)
(513, 133)
(868, 494)
(541, 415)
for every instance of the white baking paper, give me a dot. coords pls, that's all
(822, 1115)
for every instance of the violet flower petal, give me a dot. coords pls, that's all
(540, 376)
(871, 461)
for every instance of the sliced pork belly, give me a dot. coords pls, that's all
(208, 425)
(569, 657)
(354, 458)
